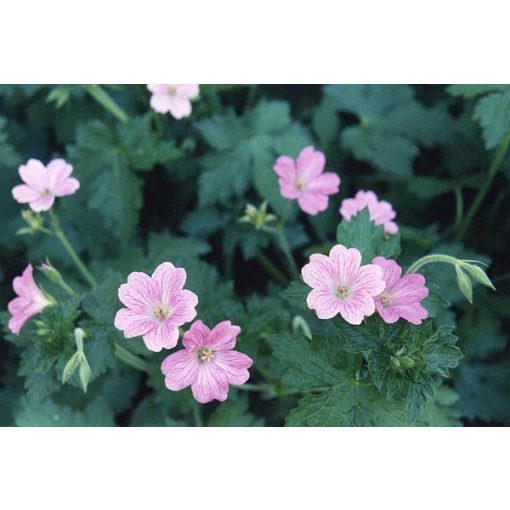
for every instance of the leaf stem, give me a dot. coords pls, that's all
(104, 99)
(271, 268)
(459, 205)
(493, 168)
(130, 358)
(429, 259)
(284, 245)
(59, 234)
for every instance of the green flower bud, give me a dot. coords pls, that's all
(478, 274)
(84, 372)
(406, 362)
(298, 323)
(50, 272)
(464, 283)
(71, 366)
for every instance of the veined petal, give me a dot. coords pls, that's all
(164, 336)
(211, 384)
(196, 336)
(324, 302)
(223, 336)
(180, 369)
(234, 365)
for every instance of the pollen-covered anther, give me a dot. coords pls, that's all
(386, 300)
(160, 313)
(172, 90)
(205, 354)
(342, 292)
(300, 184)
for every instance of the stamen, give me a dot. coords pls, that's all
(172, 90)
(160, 313)
(342, 292)
(205, 354)
(386, 299)
(300, 185)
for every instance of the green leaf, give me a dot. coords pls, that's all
(296, 293)
(469, 91)
(493, 112)
(234, 413)
(483, 388)
(362, 233)
(51, 414)
(334, 396)
(245, 150)
(391, 124)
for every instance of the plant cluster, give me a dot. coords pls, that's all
(254, 255)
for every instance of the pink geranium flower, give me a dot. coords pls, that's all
(173, 98)
(381, 212)
(402, 295)
(156, 306)
(44, 183)
(30, 300)
(305, 180)
(207, 363)
(342, 285)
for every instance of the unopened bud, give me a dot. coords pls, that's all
(464, 283)
(50, 272)
(478, 274)
(71, 366)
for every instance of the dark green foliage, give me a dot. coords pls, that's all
(154, 189)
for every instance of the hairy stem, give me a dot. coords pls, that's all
(104, 99)
(271, 268)
(130, 358)
(475, 205)
(59, 234)
(429, 259)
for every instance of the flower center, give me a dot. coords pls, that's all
(386, 300)
(45, 192)
(342, 292)
(160, 313)
(300, 184)
(172, 90)
(205, 354)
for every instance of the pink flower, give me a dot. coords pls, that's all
(381, 212)
(44, 183)
(305, 180)
(30, 300)
(342, 285)
(173, 98)
(402, 295)
(207, 362)
(156, 306)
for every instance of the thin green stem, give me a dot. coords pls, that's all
(271, 268)
(428, 259)
(59, 234)
(67, 288)
(491, 173)
(459, 205)
(197, 415)
(130, 358)
(284, 245)
(104, 99)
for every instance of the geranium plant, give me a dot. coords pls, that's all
(216, 256)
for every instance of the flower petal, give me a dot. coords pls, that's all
(358, 306)
(370, 279)
(211, 384)
(43, 203)
(234, 365)
(312, 203)
(140, 293)
(223, 336)
(24, 193)
(132, 323)
(310, 163)
(324, 302)
(34, 174)
(319, 272)
(196, 336)
(164, 336)
(327, 184)
(180, 369)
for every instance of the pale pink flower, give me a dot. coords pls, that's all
(30, 300)
(208, 362)
(342, 285)
(402, 295)
(304, 179)
(173, 98)
(156, 306)
(44, 183)
(381, 212)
